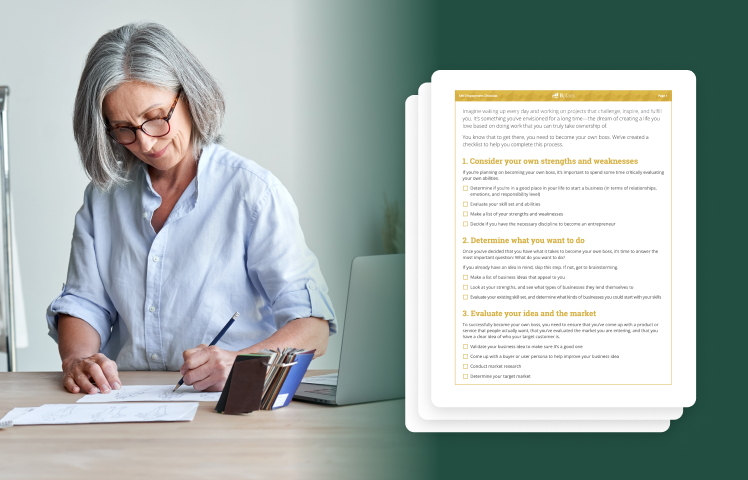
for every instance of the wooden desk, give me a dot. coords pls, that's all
(303, 440)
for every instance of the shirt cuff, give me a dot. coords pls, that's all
(81, 308)
(309, 302)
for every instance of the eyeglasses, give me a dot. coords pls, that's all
(155, 127)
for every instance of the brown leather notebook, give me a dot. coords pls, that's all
(243, 390)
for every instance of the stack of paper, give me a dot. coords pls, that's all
(550, 226)
(150, 407)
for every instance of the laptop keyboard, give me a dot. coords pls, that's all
(330, 392)
(330, 379)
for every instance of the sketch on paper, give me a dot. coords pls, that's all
(152, 393)
(98, 413)
(57, 415)
(125, 394)
(171, 395)
(110, 414)
(154, 414)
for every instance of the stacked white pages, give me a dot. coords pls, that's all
(551, 239)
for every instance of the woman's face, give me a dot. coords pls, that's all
(133, 103)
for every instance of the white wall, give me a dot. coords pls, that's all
(283, 67)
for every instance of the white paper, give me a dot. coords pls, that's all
(16, 412)
(152, 393)
(134, 412)
(280, 400)
(445, 390)
(329, 379)
(421, 415)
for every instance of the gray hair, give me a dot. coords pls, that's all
(148, 53)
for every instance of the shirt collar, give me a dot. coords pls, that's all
(152, 200)
(205, 157)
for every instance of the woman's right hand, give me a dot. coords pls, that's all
(80, 374)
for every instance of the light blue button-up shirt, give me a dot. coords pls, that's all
(231, 243)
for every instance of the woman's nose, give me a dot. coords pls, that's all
(144, 141)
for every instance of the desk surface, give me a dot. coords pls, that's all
(303, 440)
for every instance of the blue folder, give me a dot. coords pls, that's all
(293, 379)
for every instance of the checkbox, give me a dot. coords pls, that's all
(464, 297)
(464, 355)
(464, 224)
(464, 214)
(464, 188)
(464, 277)
(464, 204)
(464, 287)
(464, 376)
(464, 346)
(464, 366)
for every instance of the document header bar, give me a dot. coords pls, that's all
(563, 95)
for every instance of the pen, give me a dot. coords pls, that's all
(215, 340)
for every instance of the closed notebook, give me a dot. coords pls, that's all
(242, 392)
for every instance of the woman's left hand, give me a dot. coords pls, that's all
(207, 368)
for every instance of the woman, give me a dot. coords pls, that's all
(176, 233)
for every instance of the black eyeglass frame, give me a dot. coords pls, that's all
(111, 129)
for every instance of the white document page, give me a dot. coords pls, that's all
(152, 393)
(565, 286)
(423, 416)
(417, 190)
(131, 412)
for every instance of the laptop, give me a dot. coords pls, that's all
(372, 353)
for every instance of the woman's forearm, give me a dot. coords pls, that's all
(310, 333)
(76, 338)
(84, 369)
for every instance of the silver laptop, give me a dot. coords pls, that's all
(372, 354)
